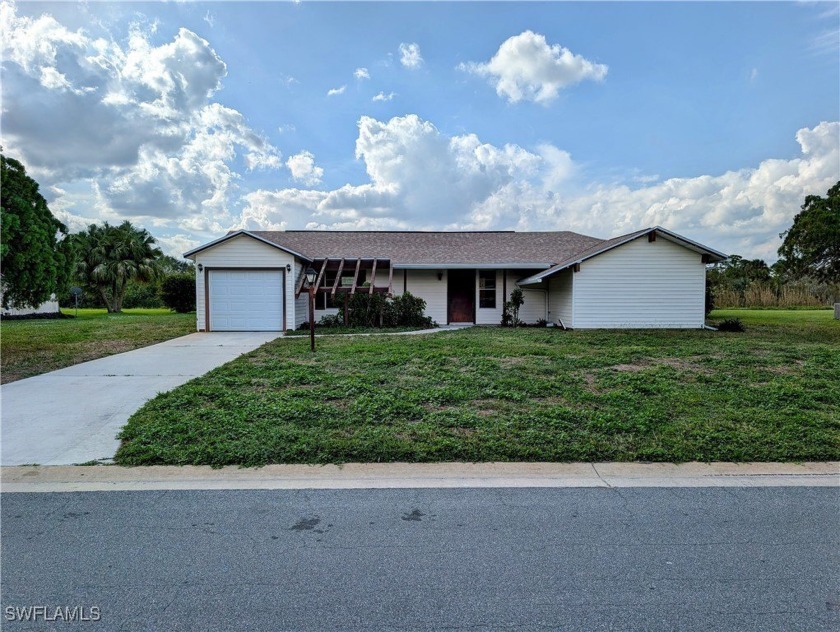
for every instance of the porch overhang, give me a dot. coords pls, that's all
(472, 266)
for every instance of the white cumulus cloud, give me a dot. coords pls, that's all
(410, 56)
(526, 67)
(303, 168)
(421, 178)
(384, 97)
(361, 73)
(336, 91)
(134, 123)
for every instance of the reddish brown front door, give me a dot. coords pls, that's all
(461, 290)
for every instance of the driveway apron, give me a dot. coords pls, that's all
(74, 414)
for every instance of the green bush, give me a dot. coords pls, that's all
(376, 310)
(731, 324)
(142, 295)
(710, 300)
(330, 320)
(177, 291)
(407, 310)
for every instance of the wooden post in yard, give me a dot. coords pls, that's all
(837, 311)
(311, 318)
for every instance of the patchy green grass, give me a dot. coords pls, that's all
(800, 318)
(31, 347)
(337, 331)
(490, 394)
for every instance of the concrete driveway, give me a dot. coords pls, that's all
(74, 414)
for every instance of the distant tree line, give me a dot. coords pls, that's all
(114, 266)
(807, 273)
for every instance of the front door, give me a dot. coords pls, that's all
(461, 291)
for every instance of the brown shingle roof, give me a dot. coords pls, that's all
(435, 248)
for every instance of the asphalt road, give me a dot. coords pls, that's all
(559, 559)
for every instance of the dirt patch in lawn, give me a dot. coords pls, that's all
(681, 364)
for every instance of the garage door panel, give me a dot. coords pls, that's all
(246, 300)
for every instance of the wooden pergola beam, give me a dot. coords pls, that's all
(301, 282)
(321, 274)
(335, 287)
(355, 277)
(372, 277)
(337, 277)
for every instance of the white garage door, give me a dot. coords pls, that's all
(246, 300)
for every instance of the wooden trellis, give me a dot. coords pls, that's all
(324, 267)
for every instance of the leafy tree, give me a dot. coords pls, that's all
(111, 256)
(171, 265)
(142, 295)
(178, 292)
(738, 273)
(811, 247)
(148, 294)
(35, 259)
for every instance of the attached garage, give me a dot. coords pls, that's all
(245, 300)
(245, 283)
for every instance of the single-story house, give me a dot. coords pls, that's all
(254, 280)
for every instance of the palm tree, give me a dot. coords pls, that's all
(110, 256)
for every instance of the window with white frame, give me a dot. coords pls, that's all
(487, 289)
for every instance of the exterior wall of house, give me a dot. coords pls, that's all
(641, 284)
(490, 315)
(323, 312)
(245, 252)
(47, 307)
(425, 284)
(301, 303)
(534, 307)
(560, 298)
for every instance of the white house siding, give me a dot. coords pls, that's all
(560, 298)
(330, 311)
(641, 284)
(47, 307)
(300, 305)
(425, 284)
(488, 315)
(244, 252)
(534, 307)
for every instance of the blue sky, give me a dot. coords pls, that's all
(713, 119)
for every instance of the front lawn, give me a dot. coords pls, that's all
(31, 347)
(490, 394)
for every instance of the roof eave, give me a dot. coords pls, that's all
(471, 266)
